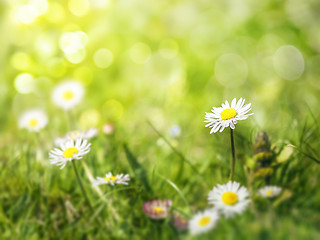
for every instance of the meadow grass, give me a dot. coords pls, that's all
(40, 201)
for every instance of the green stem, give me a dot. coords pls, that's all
(81, 186)
(233, 162)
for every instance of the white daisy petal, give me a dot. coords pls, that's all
(233, 103)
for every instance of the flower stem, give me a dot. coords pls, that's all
(81, 186)
(233, 162)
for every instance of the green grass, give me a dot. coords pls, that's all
(40, 201)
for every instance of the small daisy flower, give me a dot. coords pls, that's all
(33, 120)
(157, 209)
(111, 179)
(203, 221)
(269, 191)
(229, 198)
(88, 134)
(227, 115)
(68, 94)
(179, 222)
(69, 150)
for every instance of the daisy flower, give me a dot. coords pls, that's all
(111, 179)
(180, 222)
(229, 198)
(88, 134)
(227, 115)
(68, 151)
(269, 191)
(33, 120)
(157, 209)
(203, 221)
(68, 94)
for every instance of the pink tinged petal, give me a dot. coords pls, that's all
(232, 125)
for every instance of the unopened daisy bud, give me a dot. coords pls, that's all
(157, 209)
(68, 94)
(203, 221)
(112, 180)
(108, 128)
(33, 120)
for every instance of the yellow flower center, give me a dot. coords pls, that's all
(204, 221)
(158, 210)
(229, 198)
(112, 178)
(33, 122)
(68, 153)
(68, 95)
(228, 113)
(268, 193)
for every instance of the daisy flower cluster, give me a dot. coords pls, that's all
(226, 200)
(66, 95)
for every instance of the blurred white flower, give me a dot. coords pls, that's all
(269, 191)
(108, 128)
(33, 120)
(229, 198)
(175, 131)
(68, 94)
(203, 221)
(110, 179)
(68, 151)
(73, 135)
(227, 115)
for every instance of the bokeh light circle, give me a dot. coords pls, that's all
(24, 83)
(288, 62)
(140, 53)
(103, 58)
(231, 70)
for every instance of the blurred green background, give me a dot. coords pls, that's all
(168, 62)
